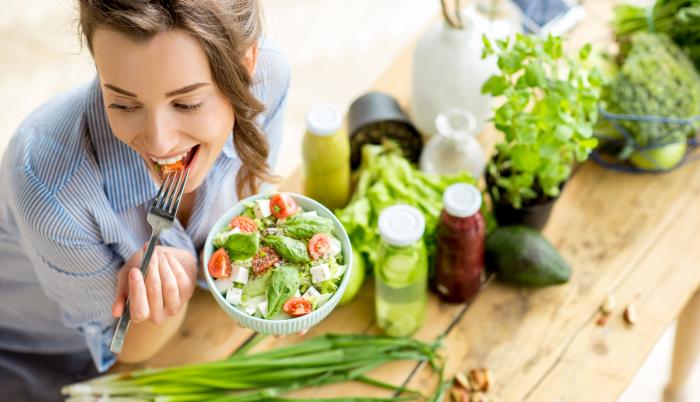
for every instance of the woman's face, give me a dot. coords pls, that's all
(161, 100)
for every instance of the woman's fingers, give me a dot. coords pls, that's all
(184, 281)
(154, 289)
(171, 291)
(137, 296)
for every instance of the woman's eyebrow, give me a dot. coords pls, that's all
(121, 91)
(186, 89)
(183, 90)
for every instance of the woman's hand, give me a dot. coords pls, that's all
(169, 284)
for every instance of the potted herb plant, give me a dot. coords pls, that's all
(548, 110)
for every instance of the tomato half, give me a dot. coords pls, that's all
(282, 205)
(220, 264)
(319, 245)
(165, 170)
(297, 306)
(244, 224)
(264, 259)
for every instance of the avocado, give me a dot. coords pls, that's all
(520, 255)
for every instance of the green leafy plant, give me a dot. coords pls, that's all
(547, 117)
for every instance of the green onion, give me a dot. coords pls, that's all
(268, 375)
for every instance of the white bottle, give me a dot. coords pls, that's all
(455, 148)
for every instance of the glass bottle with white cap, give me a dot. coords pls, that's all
(326, 154)
(401, 271)
(461, 233)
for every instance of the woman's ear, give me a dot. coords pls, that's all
(250, 59)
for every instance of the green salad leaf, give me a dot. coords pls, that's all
(292, 250)
(283, 283)
(256, 286)
(242, 246)
(303, 227)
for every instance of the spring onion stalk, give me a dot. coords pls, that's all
(265, 376)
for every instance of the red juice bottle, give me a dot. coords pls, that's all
(461, 233)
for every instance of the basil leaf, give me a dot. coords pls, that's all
(283, 283)
(292, 250)
(303, 227)
(241, 246)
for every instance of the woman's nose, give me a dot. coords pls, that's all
(160, 136)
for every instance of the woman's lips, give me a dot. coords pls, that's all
(186, 162)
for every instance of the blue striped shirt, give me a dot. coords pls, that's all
(73, 203)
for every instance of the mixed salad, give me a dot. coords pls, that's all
(276, 261)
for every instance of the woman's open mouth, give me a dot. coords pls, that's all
(164, 167)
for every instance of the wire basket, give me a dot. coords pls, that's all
(617, 145)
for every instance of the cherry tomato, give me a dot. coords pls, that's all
(282, 205)
(319, 245)
(264, 259)
(165, 170)
(297, 306)
(220, 264)
(244, 224)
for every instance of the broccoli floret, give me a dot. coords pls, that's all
(655, 79)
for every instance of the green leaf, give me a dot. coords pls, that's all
(495, 85)
(510, 62)
(535, 75)
(585, 51)
(304, 226)
(242, 246)
(563, 132)
(525, 157)
(283, 283)
(292, 250)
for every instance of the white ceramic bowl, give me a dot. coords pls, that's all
(292, 325)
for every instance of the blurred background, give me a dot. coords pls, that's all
(336, 50)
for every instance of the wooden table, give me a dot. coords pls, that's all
(636, 236)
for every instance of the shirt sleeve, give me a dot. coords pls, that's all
(274, 74)
(74, 267)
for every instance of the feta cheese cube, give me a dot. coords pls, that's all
(310, 293)
(223, 284)
(297, 293)
(240, 275)
(262, 209)
(233, 296)
(310, 214)
(233, 231)
(335, 248)
(262, 307)
(320, 273)
(252, 305)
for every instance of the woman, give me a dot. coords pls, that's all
(176, 80)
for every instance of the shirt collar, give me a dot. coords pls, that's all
(126, 179)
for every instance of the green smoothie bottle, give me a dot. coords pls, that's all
(401, 271)
(326, 153)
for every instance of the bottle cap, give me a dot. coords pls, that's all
(323, 120)
(401, 225)
(461, 200)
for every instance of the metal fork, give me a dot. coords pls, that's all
(161, 216)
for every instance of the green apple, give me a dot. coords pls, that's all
(664, 157)
(357, 277)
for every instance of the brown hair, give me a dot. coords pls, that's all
(226, 29)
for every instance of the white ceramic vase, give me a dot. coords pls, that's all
(448, 71)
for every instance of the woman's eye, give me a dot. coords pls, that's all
(122, 108)
(187, 107)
